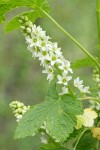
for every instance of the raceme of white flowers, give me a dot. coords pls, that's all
(49, 55)
(19, 109)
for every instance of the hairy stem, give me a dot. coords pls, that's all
(98, 18)
(74, 40)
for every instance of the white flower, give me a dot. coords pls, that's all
(49, 70)
(55, 49)
(65, 66)
(33, 41)
(64, 90)
(78, 83)
(63, 79)
(53, 58)
(37, 31)
(43, 56)
(85, 89)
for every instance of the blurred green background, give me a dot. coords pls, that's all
(20, 75)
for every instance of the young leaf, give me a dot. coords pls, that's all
(85, 62)
(6, 6)
(87, 142)
(59, 115)
(14, 23)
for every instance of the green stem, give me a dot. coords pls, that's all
(79, 139)
(98, 18)
(71, 91)
(98, 145)
(74, 40)
(90, 98)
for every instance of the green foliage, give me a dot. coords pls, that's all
(52, 92)
(76, 133)
(58, 113)
(36, 5)
(14, 23)
(87, 142)
(52, 146)
(85, 62)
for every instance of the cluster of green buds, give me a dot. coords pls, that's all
(26, 25)
(96, 76)
(18, 109)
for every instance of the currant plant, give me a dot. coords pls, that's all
(61, 117)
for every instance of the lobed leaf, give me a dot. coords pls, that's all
(59, 115)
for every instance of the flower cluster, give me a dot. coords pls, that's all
(18, 109)
(87, 119)
(79, 84)
(48, 53)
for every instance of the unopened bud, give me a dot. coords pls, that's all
(28, 30)
(22, 27)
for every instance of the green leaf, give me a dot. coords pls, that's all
(85, 62)
(6, 6)
(52, 93)
(52, 146)
(14, 23)
(87, 142)
(59, 115)
(76, 133)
